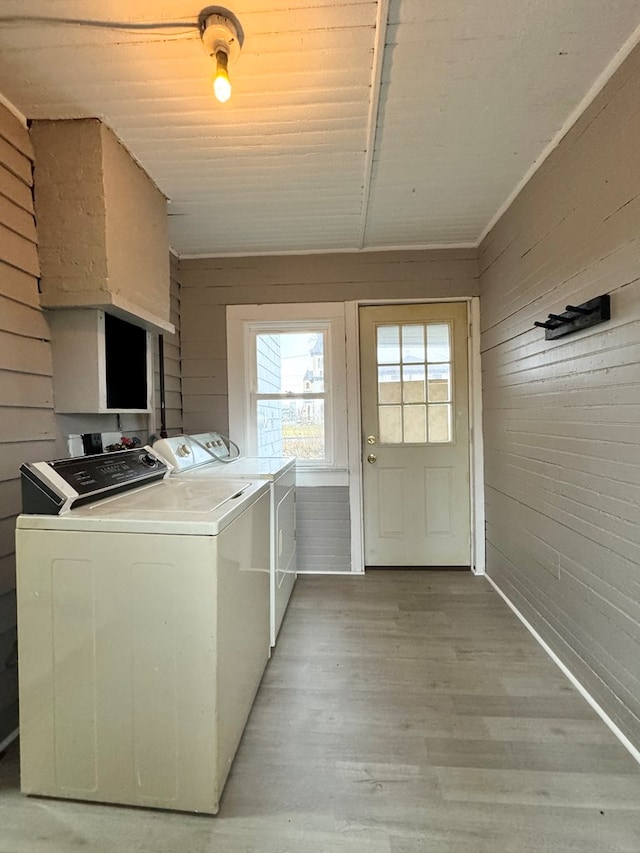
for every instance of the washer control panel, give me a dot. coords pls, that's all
(54, 487)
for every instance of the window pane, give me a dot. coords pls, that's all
(413, 344)
(389, 386)
(415, 424)
(291, 427)
(413, 383)
(439, 383)
(268, 363)
(438, 342)
(440, 423)
(390, 418)
(290, 362)
(388, 344)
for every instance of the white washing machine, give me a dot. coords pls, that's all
(143, 627)
(206, 456)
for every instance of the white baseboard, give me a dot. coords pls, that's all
(9, 739)
(325, 573)
(624, 740)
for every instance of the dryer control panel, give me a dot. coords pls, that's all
(182, 452)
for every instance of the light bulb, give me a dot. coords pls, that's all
(221, 84)
(222, 88)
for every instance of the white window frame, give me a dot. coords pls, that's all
(244, 323)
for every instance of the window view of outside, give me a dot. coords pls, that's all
(290, 394)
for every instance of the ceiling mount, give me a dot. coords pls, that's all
(220, 29)
(222, 36)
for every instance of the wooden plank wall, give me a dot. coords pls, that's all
(27, 428)
(323, 529)
(172, 366)
(562, 419)
(208, 285)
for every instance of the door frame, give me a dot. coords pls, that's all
(354, 427)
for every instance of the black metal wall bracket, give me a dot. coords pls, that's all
(576, 317)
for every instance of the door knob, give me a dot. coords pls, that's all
(371, 439)
(371, 458)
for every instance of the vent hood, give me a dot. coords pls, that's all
(102, 225)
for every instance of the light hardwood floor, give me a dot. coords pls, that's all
(402, 712)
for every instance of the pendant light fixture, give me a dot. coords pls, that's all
(222, 37)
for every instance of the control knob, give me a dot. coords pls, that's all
(149, 460)
(184, 450)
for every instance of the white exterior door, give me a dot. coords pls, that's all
(415, 422)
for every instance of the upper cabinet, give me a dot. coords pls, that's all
(101, 363)
(102, 225)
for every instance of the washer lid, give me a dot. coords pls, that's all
(180, 505)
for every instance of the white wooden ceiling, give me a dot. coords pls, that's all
(353, 123)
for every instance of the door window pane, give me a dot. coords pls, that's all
(388, 344)
(439, 383)
(413, 344)
(415, 383)
(415, 424)
(438, 342)
(440, 423)
(390, 422)
(389, 385)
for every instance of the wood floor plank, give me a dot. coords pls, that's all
(546, 705)
(588, 789)
(497, 828)
(515, 755)
(549, 730)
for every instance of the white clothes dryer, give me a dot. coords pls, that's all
(206, 456)
(143, 625)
